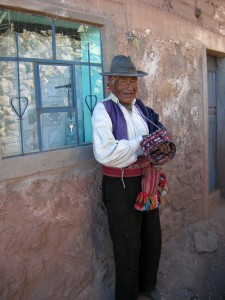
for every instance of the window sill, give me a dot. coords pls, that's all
(45, 161)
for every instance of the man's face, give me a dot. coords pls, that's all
(124, 88)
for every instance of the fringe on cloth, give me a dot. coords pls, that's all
(153, 189)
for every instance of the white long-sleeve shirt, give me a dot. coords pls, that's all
(109, 151)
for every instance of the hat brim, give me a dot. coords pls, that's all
(125, 74)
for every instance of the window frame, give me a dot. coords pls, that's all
(54, 61)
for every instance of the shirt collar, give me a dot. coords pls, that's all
(116, 100)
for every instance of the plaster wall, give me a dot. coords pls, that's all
(54, 237)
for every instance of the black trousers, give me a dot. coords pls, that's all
(136, 238)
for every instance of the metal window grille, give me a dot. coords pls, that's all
(49, 82)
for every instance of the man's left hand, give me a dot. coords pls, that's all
(165, 148)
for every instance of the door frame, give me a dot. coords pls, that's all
(210, 200)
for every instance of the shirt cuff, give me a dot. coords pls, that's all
(135, 144)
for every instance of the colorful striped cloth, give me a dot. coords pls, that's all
(153, 188)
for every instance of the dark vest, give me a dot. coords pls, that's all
(119, 122)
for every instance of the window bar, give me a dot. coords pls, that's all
(89, 67)
(53, 40)
(104, 90)
(19, 104)
(74, 105)
(92, 103)
(38, 103)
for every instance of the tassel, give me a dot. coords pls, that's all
(153, 202)
(162, 180)
(142, 197)
(145, 202)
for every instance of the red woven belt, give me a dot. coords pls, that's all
(123, 172)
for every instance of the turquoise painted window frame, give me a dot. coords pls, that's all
(50, 82)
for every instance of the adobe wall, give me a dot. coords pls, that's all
(54, 237)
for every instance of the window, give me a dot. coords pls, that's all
(49, 82)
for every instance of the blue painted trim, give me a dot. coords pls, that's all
(53, 41)
(37, 87)
(38, 103)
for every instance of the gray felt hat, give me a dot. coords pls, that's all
(123, 66)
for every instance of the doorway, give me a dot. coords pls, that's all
(216, 125)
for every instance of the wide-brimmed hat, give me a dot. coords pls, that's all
(123, 66)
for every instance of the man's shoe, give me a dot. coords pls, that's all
(154, 295)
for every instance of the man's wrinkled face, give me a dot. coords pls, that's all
(124, 88)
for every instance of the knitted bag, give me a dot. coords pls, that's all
(150, 145)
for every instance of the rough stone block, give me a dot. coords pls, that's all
(205, 240)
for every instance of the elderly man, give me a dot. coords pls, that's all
(119, 124)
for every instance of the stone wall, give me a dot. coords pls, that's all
(174, 90)
(54, 237)
(208, 14)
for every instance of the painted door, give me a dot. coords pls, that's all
(212, 123)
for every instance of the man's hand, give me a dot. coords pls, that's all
(165, 148)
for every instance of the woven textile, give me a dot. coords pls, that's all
(153, 188)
